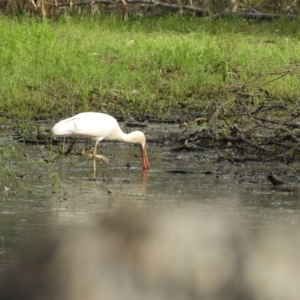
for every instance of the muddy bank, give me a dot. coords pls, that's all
(268, 134)
(242, 132)
(248, 136)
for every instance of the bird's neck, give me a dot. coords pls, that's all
(119, 135)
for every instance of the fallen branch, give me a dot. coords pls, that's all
(200, 12)
(282, 73)
(236, 159)
(148, 2)
(253, 16)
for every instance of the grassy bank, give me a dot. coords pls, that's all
(58, 68)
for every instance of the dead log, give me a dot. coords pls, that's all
(200, 12)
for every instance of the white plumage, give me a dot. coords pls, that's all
(86, 125)
(99, 126)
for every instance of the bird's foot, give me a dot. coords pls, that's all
(104, 159)
(101, 157)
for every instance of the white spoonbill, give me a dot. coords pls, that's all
(98, 126)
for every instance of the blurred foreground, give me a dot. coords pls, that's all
(130, 255)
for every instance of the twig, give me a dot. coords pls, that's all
(257, 77)
(254, 10)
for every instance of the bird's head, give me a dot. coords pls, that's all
(138, 137)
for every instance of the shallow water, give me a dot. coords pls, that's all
(40, 195)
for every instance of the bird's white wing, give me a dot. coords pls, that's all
(89, 125)
(64, 127)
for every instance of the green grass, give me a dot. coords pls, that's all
(59, 68)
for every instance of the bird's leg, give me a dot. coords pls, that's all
(94, 155)
(83, 152)
(104, 159)
(68, 151)
(70, 147)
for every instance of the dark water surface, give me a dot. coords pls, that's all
(40, 195)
